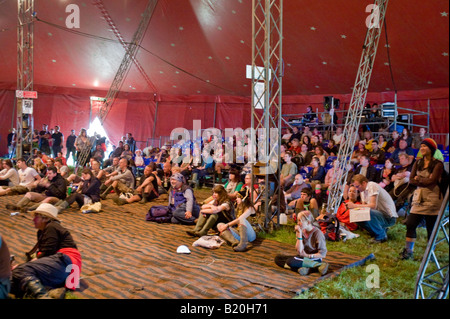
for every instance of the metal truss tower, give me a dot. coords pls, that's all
(267, 74)
(25, 74)
(130, 56)
(432, 279)
(360, 89)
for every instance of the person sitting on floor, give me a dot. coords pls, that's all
(306, 202)
(5, 269)
(239, 239)
(383, 213)
(9, 176)
(295, 191)
(49, 190)
(122, 182)
(28, 177)
(343, 212)
(182, 202)
(288, 171)
(146, 191)
(87, 193)
(219, 209)
(366, 169)
(56, 252)
(311, 248)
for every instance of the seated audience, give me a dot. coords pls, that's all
(122, 182)
(401, 179)
(9, 176)
(386, 175)
(366, 169)
(317, 174)
(343, 212)
(288, 171)
(403, 148)
(28, 177)
(295, 191)
(306, 202)
(87, 193)
(182, 202)
(383, 213)
(377, 156)
(239, 232)
(146, 190)
(311, 248)
(49, 190)
(219, 210)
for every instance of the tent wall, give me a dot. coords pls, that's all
(135, 113)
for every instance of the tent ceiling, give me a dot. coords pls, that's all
(203, 46)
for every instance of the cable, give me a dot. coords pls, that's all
(95, 37)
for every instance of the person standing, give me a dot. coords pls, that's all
(70, 146)
(427, 198)
(44, 135)
(58, 140)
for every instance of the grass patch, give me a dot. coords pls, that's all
(396, 280)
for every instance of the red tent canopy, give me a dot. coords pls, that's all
(191, 64)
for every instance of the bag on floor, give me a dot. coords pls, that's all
(159, 214)
(330, 225)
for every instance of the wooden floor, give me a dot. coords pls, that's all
(126, 257)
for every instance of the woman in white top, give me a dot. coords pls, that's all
(9, 175)
(239, 236)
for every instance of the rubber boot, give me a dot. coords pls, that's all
(106, 192)
(144, 199)
(244, 239)
(35, 289)
(227, 235)
(21, 204)
(198, 226)
(310, 265)
(62, 206)
(210, 222)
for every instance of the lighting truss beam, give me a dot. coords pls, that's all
(267, 73)
(357, 103)
(432, 278)
(130, 55)
(25, 70)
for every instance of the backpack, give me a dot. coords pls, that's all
(329, 225)
(159, 214)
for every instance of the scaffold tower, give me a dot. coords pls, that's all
(267, 75)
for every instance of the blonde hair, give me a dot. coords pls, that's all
(306, 215)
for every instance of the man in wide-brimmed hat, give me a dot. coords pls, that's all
(57, 262)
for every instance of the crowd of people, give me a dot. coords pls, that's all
(393, 175)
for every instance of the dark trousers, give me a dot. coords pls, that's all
(76, 197)
(414, 220)
(50, 271)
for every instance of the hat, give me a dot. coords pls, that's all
(178, 177)
(243, 193)
(47, 210)
(183, 250)
(431, 144)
